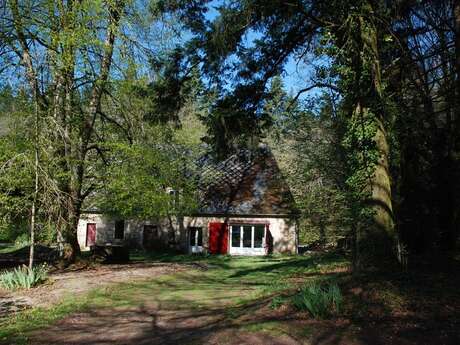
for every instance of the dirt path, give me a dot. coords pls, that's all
(151, 324)
(79, 282)
(188, 308)
(230, 302)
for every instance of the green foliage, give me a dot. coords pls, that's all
(362, 157)
(277, 302)
(22, 240)
(320, 299)
(306, 143)
(16, 183)
(139, 179)
(23, 277)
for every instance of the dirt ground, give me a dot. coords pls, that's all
(80, 281)
(170, 303)
(152, 324)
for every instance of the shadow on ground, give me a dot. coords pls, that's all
(228, 301)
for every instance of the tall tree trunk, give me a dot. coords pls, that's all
(33, 213)
(380, 183)
(34, 202)
(375, 239)
(79, 148)
(455, 226)
(74, 131)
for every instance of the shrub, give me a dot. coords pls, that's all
(22, 241)
(23, 277)
(321, 300)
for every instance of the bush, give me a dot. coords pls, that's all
(22, 241)
(23, 277)
(321, 300)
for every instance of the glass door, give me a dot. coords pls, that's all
(247, 239)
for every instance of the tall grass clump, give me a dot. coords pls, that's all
(23, 277)
(320, 299)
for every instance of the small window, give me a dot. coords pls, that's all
(119, 229)
(236, 236)
(196, 237)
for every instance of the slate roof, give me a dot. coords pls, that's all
(246, 183)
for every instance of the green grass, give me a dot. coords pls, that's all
(230, 284)
(6, 248)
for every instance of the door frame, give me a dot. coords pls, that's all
(195, 248)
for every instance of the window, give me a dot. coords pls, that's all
(236, 236)
(247, 236)
(259, 231)
(196, 237)
(174, 195)
(119, 229)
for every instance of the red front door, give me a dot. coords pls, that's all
(218, 238)
(90, 234)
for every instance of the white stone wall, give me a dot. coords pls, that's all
(105, 231)
(283, 230)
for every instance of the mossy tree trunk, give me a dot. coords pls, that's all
(367, 140)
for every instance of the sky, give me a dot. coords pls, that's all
(296, 75)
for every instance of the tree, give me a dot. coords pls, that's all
(71, 53)
(305, 140)
(426, 164)
(241, 69)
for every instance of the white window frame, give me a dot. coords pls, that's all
(240, 250)
(195, 248)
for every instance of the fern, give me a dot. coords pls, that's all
(23, 277)
(321, 300)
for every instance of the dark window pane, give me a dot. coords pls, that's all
(192, 237)
(200, 236)
(247, 236)
(258, 236)
(119, 229)
(236, 236)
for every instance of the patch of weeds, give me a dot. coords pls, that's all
(320, 299)
(23, 277)
(277, 302)
(277, 285)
